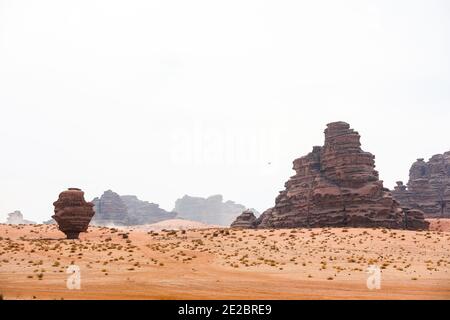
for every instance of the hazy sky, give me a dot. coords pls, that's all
(165, 98)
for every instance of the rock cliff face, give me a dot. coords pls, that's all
(113, 209)
(246, 220)
(72, 212)
(211, 210)
(110, 210)
(16, 217)
(428, 188)
(337, 185)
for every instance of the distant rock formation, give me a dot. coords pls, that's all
(246, 220)
(428, 188)
(16, 217)
(337, 185)
(50, 221)
(72, 212)
(110, 210)
(211, 210)
(143, 212)
(113, 209)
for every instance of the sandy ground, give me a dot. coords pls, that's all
(224, 264)
(439, 224)
(174, 224)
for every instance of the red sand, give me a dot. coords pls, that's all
(224, 264)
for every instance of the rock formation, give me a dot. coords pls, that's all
(211, 210)
(428, 188)
(110, 210)
(72, 212)
(113, 209)
(16, 217)
(246, 220)
(143, 212)
(337, 185)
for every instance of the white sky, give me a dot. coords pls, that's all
(165, 98)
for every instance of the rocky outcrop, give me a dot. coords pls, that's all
(72, 212)
(414, 219)
(337, 185)
(428, 188)
(143, 212)
(246, 220)
(16, 217)
(50, 221)
(110, 210)
(113, 209)
(211, 210)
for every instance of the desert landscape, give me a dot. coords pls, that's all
(335, 232)
(223, 263)
(224, 150)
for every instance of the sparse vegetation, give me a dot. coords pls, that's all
(316, 254)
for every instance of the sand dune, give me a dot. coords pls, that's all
(224, 263)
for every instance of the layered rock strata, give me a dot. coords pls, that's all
(428, 188)
(336, 185)
(110, 210)
(72, 212)
(246, 219)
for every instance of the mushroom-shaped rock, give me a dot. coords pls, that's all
(72, 212)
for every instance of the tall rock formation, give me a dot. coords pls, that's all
(113, 209)
(337, 185)
(16, 217)
(211, 210)
(428, 188)
(72, 212)
(110, 210)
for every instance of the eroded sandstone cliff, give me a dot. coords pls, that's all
(113, 209)
(246, 219)
(110, 210)
(337, 185)
(428, 188)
